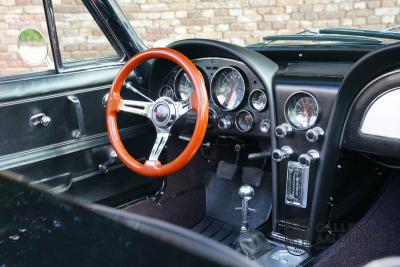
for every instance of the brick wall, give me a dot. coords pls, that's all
(246, 21)
(237, 21)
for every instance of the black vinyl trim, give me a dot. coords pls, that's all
(353, 138)
(365, 70)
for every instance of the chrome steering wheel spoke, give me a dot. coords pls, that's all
(159, 144)
(136, 107)
(183, 107)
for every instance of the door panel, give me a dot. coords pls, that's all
(52, 155)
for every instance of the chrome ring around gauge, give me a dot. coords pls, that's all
(244, 121)
(166, 91)
(228, 88)
(301, 110)
(258, 100)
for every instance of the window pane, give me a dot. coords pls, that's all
(79, 36)
(14, 17)
(244, 22)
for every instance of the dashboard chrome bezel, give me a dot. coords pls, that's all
(286, 105)
(212, 88)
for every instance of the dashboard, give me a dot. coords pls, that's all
(237, 98)
(308, 104)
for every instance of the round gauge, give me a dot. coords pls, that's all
(258, 100)
(167, 91)
(301, 110)
(228, 88)
(244, 121)
(183, 85)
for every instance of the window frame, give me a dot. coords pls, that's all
(130, 45)
(79, 65)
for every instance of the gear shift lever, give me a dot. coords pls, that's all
(251, 242)
(246, 193)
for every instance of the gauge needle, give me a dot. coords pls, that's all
(231, 94)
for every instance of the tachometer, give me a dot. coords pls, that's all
(258, 100)
(244, 121)
(228, 88)
(301, 110)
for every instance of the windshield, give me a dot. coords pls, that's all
(245, 22)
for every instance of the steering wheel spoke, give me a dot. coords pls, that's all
(142, 108)
(159, 144)
(183, 107)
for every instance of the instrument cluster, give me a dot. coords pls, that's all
(238, 101)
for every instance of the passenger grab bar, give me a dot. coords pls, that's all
(77, 108)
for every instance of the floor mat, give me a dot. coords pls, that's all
(375, 236)
(217, 230)
(185, 209)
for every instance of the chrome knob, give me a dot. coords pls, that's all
(281, 154)
(246, 192)
(224, 123)
(45, 121)
(283, 130)
(306, 159)
(264, 126)
(313, 134)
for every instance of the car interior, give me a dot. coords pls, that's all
(283, 154)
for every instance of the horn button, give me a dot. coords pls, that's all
(163, 113)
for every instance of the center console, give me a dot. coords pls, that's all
(303, 108)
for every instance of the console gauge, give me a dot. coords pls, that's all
(258, 100)
(228, 88)
(301, 110)
(167, 91)
(244, 121)
(183, 85)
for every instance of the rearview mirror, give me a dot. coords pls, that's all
(32, 47)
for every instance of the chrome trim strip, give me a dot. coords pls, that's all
(299, 242)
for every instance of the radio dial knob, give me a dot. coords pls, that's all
(283, 130)
(308, 158)
(280, 154)
(224, 123)
(313, 134)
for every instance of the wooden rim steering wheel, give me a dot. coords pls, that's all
(162, 112)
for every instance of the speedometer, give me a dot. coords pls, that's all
(228, 88)
(302, 110)
(183, 85)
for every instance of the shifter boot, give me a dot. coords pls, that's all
(253, 244)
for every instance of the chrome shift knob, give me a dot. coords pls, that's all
(246, 192)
